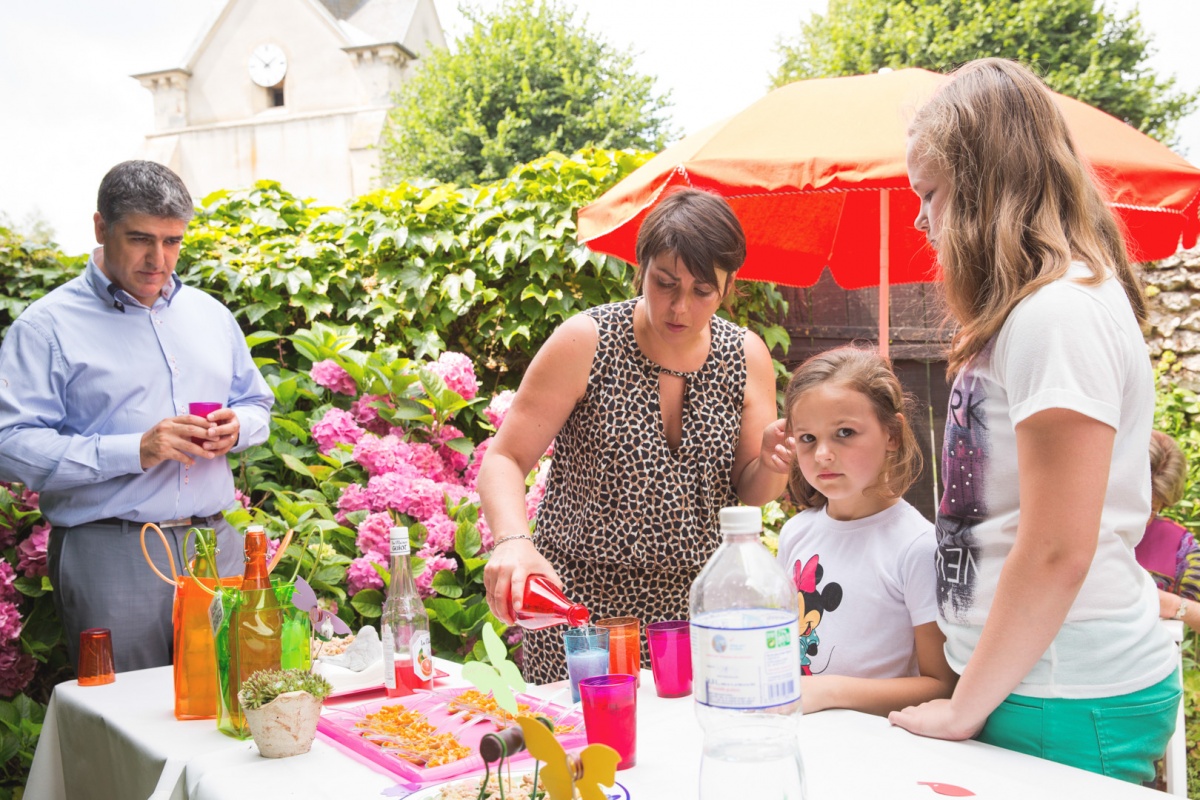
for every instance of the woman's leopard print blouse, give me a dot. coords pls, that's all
(627, 522)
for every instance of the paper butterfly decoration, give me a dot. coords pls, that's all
(599, 764)
(324, 623)
(500, 677)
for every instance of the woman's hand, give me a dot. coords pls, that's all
(937, 719)
(511, 563)
(778, 451)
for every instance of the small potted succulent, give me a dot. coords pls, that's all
(282, 708)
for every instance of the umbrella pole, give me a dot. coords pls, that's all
(884, 227)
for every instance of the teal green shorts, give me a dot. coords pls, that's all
(1120, 737)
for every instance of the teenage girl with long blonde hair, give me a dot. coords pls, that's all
(1048, 618)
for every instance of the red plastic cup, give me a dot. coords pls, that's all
(610, 714)
(96, 657)
(624, 645)
(671, 657)
(202, 410)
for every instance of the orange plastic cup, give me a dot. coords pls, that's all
(624, 645)
(96, 657)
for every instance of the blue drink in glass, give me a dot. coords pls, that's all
(587, 655)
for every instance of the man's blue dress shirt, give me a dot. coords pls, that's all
(87, 369)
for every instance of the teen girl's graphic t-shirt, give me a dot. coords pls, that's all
(1078, 347)
(862, 585)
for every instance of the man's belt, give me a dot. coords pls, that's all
(183, 522)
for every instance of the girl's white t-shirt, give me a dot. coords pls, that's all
(1076, 347)
(882, 566)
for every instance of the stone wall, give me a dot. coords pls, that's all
(1173, 287)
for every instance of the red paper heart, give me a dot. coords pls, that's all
(948, 789)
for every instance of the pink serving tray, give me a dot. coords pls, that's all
(339, 725)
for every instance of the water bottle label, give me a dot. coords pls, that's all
(422, 655)
(400, 546)
(389, 655)
(746, 659)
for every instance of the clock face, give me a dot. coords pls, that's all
(267, 65)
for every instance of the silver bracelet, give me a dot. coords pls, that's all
(499, 542)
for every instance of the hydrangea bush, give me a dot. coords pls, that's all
(368, 440)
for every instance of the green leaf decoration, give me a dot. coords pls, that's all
(500, 677)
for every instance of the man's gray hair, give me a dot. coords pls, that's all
(143, 187)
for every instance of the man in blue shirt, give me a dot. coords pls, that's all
(95, 382)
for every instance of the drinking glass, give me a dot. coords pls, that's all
(96, 657)
(610, 714)
(671, 657)
(587, 655)
(202, 410)
(624, 645)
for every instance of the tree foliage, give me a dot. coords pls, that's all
(527, 80)
(1077, 46)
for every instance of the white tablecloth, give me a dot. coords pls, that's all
(122, 741)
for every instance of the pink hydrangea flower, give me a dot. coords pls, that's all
(434, 563)
(533, 497)
(353, 498)
(8, 592)
(486, 540)
(374, 534)
(31, 553)
(7, 537)
(471, 476)
(427, 462)
(29, 500)
(244, 499)
(361, 575)
(272, 548)
(336, 427)
(455, 462)
(458, 372)
(441, 532)
(367, 415)
(327, 373)
(497, 410)
(381, 455)
(10, 622)
(16, 669)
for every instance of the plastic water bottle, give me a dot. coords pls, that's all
(746, 661)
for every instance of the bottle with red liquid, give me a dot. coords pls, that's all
(543, 605)
(404, 627)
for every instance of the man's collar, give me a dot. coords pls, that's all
(115, 296)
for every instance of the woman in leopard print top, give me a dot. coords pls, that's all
(661, 413)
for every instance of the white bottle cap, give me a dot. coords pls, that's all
(399, 541)
(741, 519)
(255, 529)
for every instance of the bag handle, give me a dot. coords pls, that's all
(167, 547)
(279, 551)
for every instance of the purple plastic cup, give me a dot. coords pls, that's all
(671, 657)
(610, 714)
(202, 410)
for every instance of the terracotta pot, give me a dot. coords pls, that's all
(286, 726)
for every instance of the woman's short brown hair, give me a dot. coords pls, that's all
(864, 370)
(701, 229)
(1168, 471)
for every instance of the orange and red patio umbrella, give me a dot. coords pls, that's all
(815, 172)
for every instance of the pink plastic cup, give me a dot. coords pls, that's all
(610, 714)
(202, 410)
(671, 657)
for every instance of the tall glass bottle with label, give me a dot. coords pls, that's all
(746, 662)
(256, 626)
(404, 628)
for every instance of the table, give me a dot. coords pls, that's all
(122, 741)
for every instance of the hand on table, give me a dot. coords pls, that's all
(504, 576)
(937, 719)
(171, 440)
(778, 449)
